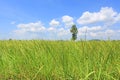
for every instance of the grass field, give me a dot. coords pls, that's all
(59, 60)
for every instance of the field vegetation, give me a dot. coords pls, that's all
(59, 60)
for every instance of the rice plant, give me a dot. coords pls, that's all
(59, 60)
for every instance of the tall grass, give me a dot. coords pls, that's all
(59, 60)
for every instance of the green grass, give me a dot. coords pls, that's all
(59, 60)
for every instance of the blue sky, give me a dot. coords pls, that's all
(52, 19)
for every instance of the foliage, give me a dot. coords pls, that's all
(74, 32)
(59, 60)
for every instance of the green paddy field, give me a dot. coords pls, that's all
(59, 60)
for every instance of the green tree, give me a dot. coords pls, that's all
(74, 32)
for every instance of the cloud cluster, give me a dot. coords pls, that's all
(38, 30)
(106, 14)
(68, 20)
(102, 20)
(91, 24)
(86, 28)
(54, 23)
(30, 27)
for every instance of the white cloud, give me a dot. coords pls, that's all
(36, 30)
(107, 33)
(86, 28)
(54, 23)
(22, 31)
(88, 31)
(96, 32)
(104, 18)
(93, 34)
(117, 18)
(51, 29)
(31, 27)
(63, 32)
(68, 20)
(106, 15)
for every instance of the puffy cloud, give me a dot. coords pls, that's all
(105, 17)
(106, 14)
(117, 18)
(89, 31)
(51, 29)
(54, 23)
(93, 34)
(36, 30)
(67, 20)
(31, 27)
(107, 33)
(96, 32)
(86, 28)
(22, 31)
(99, 35)
(63, 32)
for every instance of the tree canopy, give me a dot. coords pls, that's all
(74, 32)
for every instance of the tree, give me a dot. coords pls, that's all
(74, 32)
